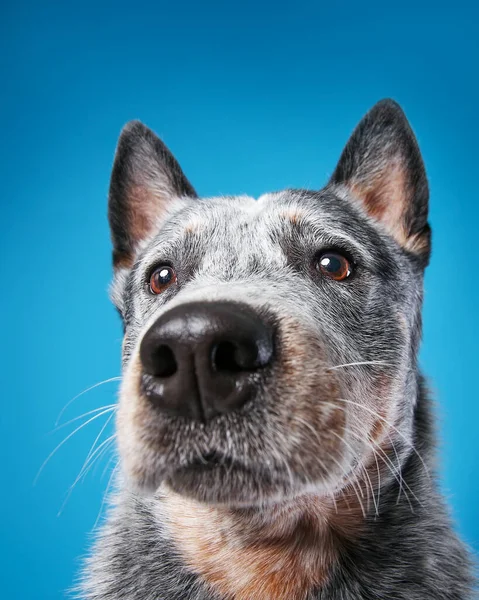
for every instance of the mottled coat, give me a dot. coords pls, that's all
(322, 485)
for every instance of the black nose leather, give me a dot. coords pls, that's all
(202, 359)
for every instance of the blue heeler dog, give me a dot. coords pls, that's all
(275, 434)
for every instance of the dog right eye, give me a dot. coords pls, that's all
(161, 279)
(334, 265)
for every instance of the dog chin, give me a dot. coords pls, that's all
(216, 484)
(226, 485)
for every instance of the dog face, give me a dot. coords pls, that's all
(270, 344)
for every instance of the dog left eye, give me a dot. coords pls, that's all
(334, 265)
(161, 278)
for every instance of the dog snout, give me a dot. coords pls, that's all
(203, 359)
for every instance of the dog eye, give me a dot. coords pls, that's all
(334, 265)
(161, 278)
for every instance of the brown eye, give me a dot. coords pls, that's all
(161, 278)
(335, 266)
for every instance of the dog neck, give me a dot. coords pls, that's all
(280, 551)
(283, 551)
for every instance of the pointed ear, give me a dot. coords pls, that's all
(382, 168)
(145, 179)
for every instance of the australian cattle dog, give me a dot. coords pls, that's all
(274, 430)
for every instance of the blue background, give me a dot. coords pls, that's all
(251, 97)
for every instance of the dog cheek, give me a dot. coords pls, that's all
(132, 423)
(125, 421)
(306, 405)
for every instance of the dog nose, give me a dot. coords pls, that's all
(203, 359)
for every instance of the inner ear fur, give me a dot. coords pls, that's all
(145, 179)
(383, 170)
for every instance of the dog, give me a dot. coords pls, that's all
(275, 433)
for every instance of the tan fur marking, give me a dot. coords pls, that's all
(418, 243)
(382, 388)
(122, 261)
(292, 215)
(194, 227)
(280, 558)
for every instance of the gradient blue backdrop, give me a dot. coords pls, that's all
(250, 96)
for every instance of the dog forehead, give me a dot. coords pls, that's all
(247, 227)
(245, 213)
(231, 210)
(236, 229)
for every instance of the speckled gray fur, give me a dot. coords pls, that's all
(245, 250)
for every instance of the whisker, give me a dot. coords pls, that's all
(65, 440)
(107, 466)
(346, 475)
(105, 425)
(349, 481)
(341, 438)
(109, 446)
(90, 412)
(398, 476)
(282, 461)
(96, 462)
(374, 413)
(359, 436)
(389, 464)
(399, 467)
(391, 467)
(316, 435)
(95, 456)
(379, 477)
(115, 470)
(360, 363)
(92, 387)
(86, 467)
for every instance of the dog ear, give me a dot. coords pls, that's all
(382, 167)
(145, 179)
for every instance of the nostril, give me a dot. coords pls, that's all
(224, 357)
(234, 358)
(163, 362)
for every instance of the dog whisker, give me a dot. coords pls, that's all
(397, 473)
(350, 482)
(95, 457)
(70, 435)
(375, 414)
(106, 448)
(379, 480)
(107, 466)
(89, 389)
(90, 412)
(345, 473)
(387, 461)
(105, 495)
(92, 449)
(87, 465)
(360, 363)
(390, 466)
(341, 438)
